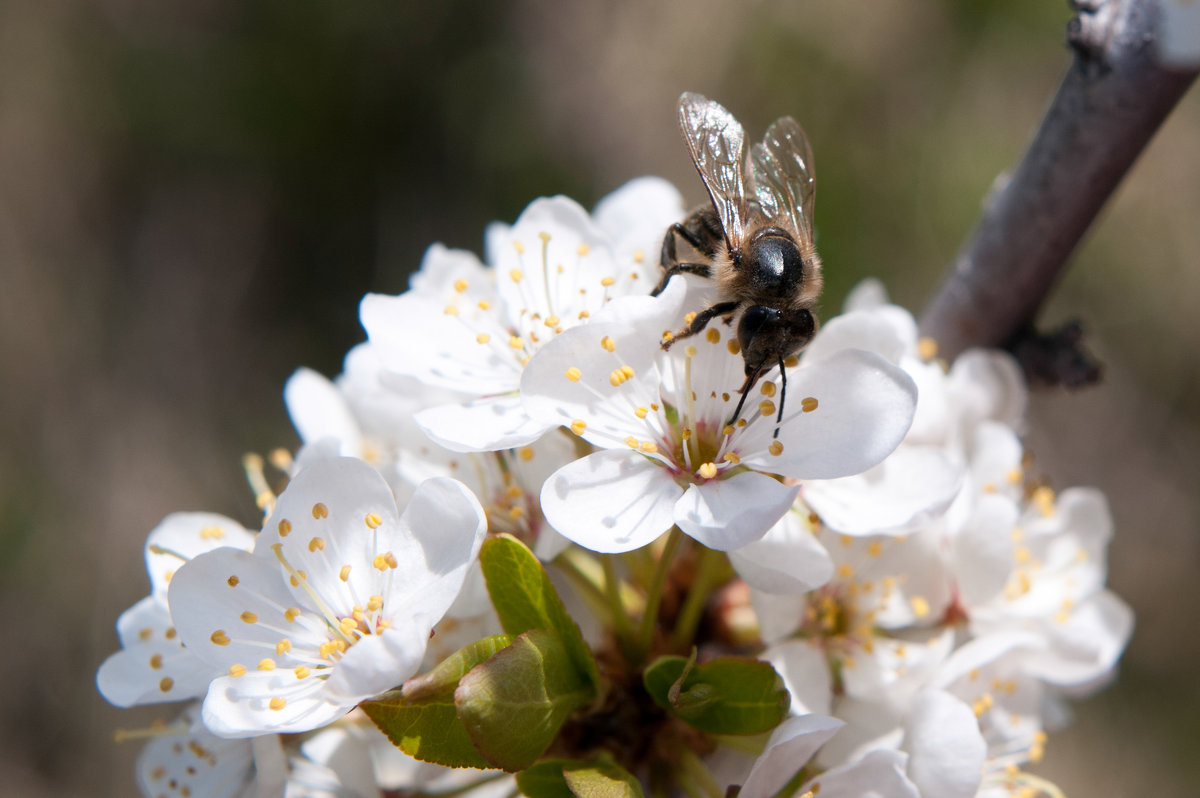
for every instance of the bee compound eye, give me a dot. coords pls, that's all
(753, 321)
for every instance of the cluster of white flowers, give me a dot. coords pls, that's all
(926, 601)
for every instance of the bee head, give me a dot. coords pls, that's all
(768, 335)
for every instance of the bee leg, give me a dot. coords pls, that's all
(701, 269)
(670, 261)
(701, 321)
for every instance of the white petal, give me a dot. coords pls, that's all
(868, 294)
(611, 501)
(1086, 644)
(983, 550)
(242, 706)
(945, 746)
(152, 666)
(319, 410)
(442, 267)
(790, 746)
(865, 406)
(225, 770)
(914, 485)
(729, 513)
(484, 425)
(804, 669)
(465, 351)
(888, 331)
(788, 559)
(988, 384)
(779, 614)
(879, 774)
(446, 522)
(377, 663)
(187, 535)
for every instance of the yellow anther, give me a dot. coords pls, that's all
(607, 281)
(766, 407)
(384, 561)
(845, 571)
(156, 662)
(516, 513)
(608, 343)
(283, 647)
(732, 458)
(1022, 554)
(372, 520)
(484, 304)
(266, 664)
(616, 377)
(460, 285)
(627, 371)
(686, 434)
(236, 670)
(578, 426)
(514, 492)
(344, 573)
(1014, 476)
(316, 544)
(375, 603)
(920, 606)
(776, 448)
(689, 318)
(733, 346)
(212, 533)
(515, 342)
(989, 487)
(875, 548)
(808, 404)
(654, 406)
(145, 633)
(583, 314)
(451, 310)
(727, 430)
(582, 249)
(631, 442)
(249, 617)
(708, 470)
(319, 511)
(348, 625)
(525, 453)
(767, 388)
(515, 275)
(482, 338)
(927, 349)
(1043, 499)
(301, 672)
(291, 614)
(219, 638)
(551, 322)
(285, 526)
(170, 633)
(519, 247)
(791, 361)
(232, 581)
(712, 335)
(165, 684)
(649, 447)
(640, 412)
(667, 335)
(573, 374)
(277, 703)
(690, 351)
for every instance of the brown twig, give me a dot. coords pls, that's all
(1111, 101)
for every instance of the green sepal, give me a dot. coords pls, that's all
(570, 778)
(727, 695)
(525, 599)
(421, 719)
(513, 704)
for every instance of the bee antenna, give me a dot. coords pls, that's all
(782, 394)
(750, 378)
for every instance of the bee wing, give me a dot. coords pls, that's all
(785, 183)
(717, 143)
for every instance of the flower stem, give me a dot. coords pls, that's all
(696, 775)
(654, 594)
(612, 590)
(693, 606)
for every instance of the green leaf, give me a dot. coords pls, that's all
(727, 695)
(422, 720)
(514, 703)
(525, 599)
(567, 778)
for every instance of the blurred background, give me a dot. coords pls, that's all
(194, 197)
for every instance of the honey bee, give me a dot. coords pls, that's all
(755, 239)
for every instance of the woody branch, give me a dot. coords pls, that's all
(1112, 99)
